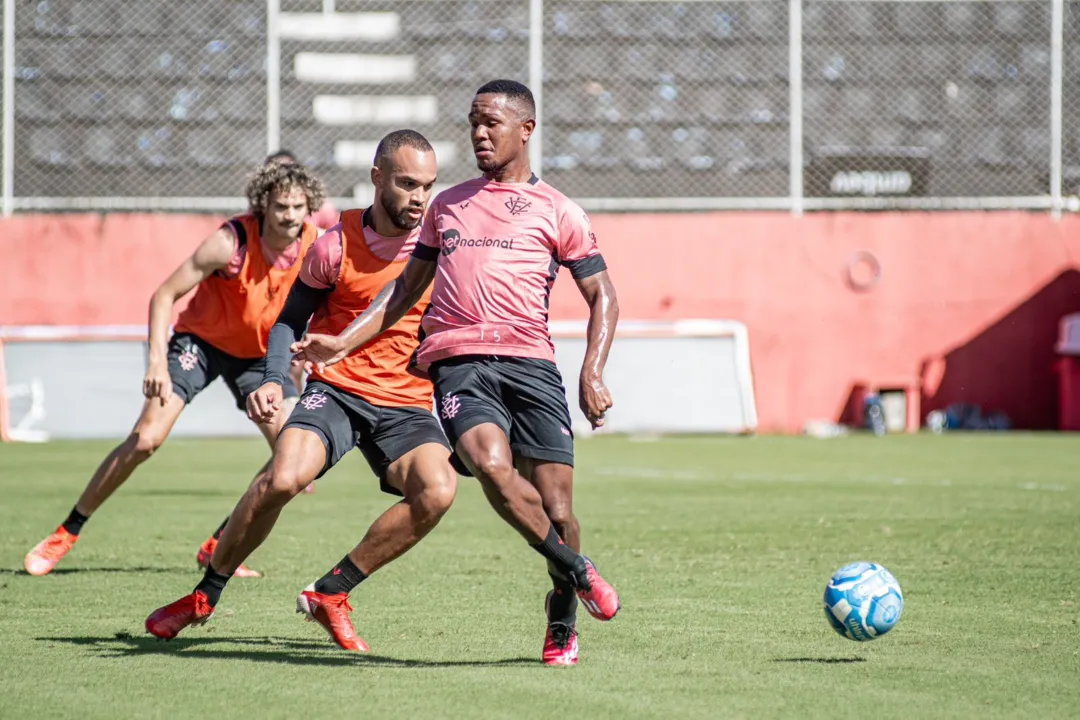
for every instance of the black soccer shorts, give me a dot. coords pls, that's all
(195, 363)
(344, 421)
(523, 396)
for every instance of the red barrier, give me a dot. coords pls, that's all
(966, 305)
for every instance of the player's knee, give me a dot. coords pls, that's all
(436, 495)
(493, 466)
(561, 514)
(280, 485)
(145, 442)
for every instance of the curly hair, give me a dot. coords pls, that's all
(282, 178)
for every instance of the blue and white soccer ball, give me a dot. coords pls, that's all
(863, 601)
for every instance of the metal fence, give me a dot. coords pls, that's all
(756, 104)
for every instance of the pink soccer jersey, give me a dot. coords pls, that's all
(499, 247)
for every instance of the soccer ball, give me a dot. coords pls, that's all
(863, 601)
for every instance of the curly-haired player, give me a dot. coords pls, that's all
(243, 272)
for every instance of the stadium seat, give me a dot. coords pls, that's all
(695, 63)
(857, 20)
(1020, 19)
(639, 148)
(1035, 146)
(38, 101)
(764, 19)
(964, 19)
(89, 102)
(693, 148)
(568, 20)
(914, 104)
(158, 147)
(990, 147)
(579, 60)
(916, 21)
(108, 147)
(51, 146)
(94, 17)
(967, 101)
(718, 22)
(143, 18)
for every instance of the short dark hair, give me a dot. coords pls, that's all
(399, 139)
(515, 92)
(287, 154)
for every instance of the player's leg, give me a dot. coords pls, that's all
(190, 370)
(543, 448)
(243, 378)
(477, 423)
(543, 443)
(410, 456)
(316, 436)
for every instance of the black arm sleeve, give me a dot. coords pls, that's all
(585, 267)
(425, 252)
(301, 304)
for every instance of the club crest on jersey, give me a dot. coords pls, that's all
(452, 240)
(517, 205)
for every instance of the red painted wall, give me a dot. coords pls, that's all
(967, 302)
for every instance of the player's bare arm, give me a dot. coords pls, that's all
(389, 306)
(212, 254)
(593, 395)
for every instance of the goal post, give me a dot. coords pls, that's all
(685, 376)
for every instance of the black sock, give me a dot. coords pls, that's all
(75, 521)
(562, 608)
(342, 579)
(221, 528)
(212, 584)
(563, 559)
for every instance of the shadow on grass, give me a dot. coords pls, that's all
(186, 492)
(822, 661)
(267, 649)
(91, 570)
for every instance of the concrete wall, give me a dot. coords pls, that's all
(966, 307)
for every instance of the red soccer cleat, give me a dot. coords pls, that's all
(43, 558)
(560, 645)
(206, 552)
(167, 622)
(332, 612)
(561, 642)
(600, 599)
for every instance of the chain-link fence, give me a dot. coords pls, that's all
(1071, 99)
(122, 98)
(410, 63)
(167, 105)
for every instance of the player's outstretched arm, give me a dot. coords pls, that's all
(389, 306)
(300, 305)
(212, 254)
(593, 395)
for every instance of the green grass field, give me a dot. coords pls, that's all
(720, 547)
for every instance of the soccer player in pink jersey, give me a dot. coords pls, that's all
(493, 247)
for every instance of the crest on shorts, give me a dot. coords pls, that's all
(314, 401)
(451, 406)
(189, 358)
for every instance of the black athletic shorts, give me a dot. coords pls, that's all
(344, 421)
(195, 363)
(523, 396)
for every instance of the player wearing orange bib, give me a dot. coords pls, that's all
(244, 272)
(372, 400)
